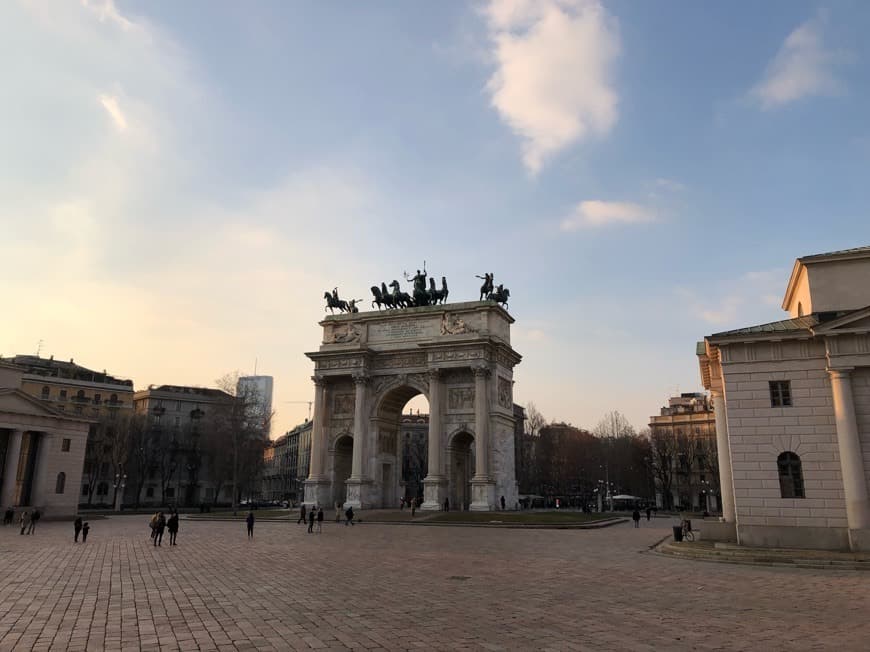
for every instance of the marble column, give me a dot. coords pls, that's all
(360, 429)
(482, 486)
(317, 486)
(435, 483)
(9, 493)
(481, 423)
(723, 451)
(315, 467)
(851, 458)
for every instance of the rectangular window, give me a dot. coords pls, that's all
(177, 422)
(64, 445)
(97, 399)
(63, 395)
(170, 492)
(178, 406)
(780, 393)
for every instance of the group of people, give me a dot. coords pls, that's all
(81, 528)
(635, 515)
(27, 520)
(313, 515)
(159, 523)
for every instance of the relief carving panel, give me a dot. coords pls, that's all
(460, 398)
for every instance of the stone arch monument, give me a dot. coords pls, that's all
(370, 364)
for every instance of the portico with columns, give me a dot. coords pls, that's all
(367, 368)
(41, 452)
(792, 405)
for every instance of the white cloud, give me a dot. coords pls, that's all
(592, 213)
(110, 103)
(106, 11)
(801, 68)
(669, 184)
(552, 83)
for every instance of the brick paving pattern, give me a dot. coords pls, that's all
(389, 587)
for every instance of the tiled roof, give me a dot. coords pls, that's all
(786, 325)
(841, 252)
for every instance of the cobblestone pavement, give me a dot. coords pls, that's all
(383, 587)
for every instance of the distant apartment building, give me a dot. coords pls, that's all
(298, 459)
(185, 463)
(685, 463)
(258, 390)
(278, 470)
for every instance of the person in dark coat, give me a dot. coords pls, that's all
(85, 529)
(635, 515)
(8, 516)
(446, 504)
(502, 503)
(172, 526)
(34, 517)
(319, 520)
(159, 527)
(348, 515)
(250, 522)
(648, 512)
(311, 516)
(77, 526)
(302, 517)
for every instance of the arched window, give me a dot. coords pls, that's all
(791, 477)
(61, 481)
(45, 392)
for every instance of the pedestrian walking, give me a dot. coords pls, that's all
(24, 521)
(348, 515)
(153, 524)
(34, 518)
(85, 529)
(648, 512)
(402, 503)
(77, 526)
(413, 507)
(159, 527)
(319, 520)
(249, 520)
(338, 512)
(635, 515)
(447, 504)
(311, 516)
(172, 526)
(502, 503)
(8, 516)
(303, 517)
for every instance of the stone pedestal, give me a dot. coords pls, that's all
(318, 493)
(434, 493)
(358, 493)
(482, 496)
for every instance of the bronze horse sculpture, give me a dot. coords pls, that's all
(437, 296)
(333, 302)
(500, 296)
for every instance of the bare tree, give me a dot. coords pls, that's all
(664, 456)
(534, 420)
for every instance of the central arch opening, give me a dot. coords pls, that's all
(401, 460)
(343, 466)
(460, 470)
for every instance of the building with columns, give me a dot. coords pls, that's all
(42, 451)
(367, 369)
(791, 400)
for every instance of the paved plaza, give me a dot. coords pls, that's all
(396, 587)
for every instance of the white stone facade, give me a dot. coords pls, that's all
(822, 359)
(371, 364)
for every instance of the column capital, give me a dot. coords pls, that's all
(319, 381)
(480, 371)
(842, 373)
(716, 393)
(361, 378)
(434, 374)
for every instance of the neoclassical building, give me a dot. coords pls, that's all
(791, 401)
(41, 451)
(371, 364)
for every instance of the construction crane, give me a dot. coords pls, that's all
(309, 403)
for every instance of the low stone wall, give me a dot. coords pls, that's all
(773, 536)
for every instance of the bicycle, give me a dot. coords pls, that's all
(686, 526)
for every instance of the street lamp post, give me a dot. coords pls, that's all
(119, 484)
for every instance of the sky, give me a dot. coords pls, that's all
(181, 182)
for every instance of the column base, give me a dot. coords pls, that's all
(318, 493)
(358, 493)
(859, 540)
(434, 493)
(482, 495)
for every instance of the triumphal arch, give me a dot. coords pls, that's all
(370, 364)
